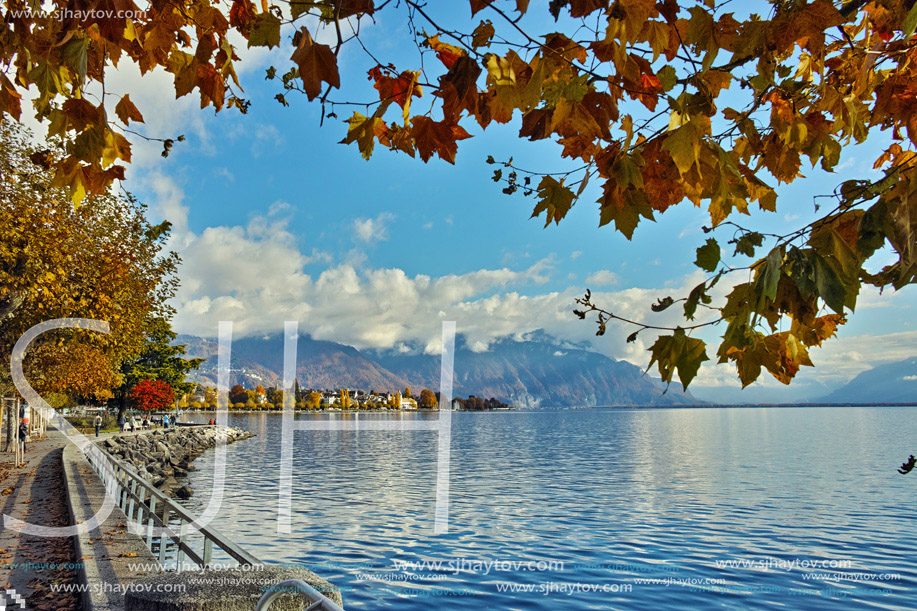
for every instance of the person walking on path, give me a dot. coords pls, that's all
(133, 423)
(98, 423)
(23, 435)
(122, 421)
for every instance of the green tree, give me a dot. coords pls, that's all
(157, 359)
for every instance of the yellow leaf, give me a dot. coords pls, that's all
(684, 145)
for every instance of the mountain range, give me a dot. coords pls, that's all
(890, 383)
(534, 371)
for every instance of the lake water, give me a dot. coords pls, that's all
(657, 509)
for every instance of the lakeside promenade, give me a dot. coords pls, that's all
(110, 567)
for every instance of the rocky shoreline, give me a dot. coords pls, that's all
(162, 455)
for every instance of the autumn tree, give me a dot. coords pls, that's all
(152, 396)
(314, 400)
(275, 395)
(428, 398)
(101, 260)
(345, 398)
(652, 104)
(238, 394)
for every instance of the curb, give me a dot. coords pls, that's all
(104, 575)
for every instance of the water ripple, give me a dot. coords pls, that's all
(716, 505)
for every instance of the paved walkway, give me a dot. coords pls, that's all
(35, 493)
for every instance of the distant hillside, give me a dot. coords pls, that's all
(320, 364)
(538, 371)
(891, 383)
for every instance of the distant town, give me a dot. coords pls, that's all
(312, 399)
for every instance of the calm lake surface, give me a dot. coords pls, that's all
(656, 510)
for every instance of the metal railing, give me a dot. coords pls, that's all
(150, 511)
(297, 586)
(147, 508)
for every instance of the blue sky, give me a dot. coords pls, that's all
(277, 221)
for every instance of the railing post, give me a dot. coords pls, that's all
(132, 503)
(141, 506)
(149, 526)
(208, 550)
(180, 553)
(163, 537)
(122, 491)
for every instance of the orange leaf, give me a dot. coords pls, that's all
(448, 54)
(395, 88)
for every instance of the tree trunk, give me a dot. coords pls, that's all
(12, 417)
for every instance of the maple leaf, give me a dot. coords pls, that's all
(436, 137)
(348, 8)
(448, 54)
(241, 15)
(684, 145)
(9, 98)
(459, 88)
(264, 31)
(82, 113)
(317, 64)
(555, 200)
(126, 110)
(536, 124)
(678, 353)
(483, 34)
(708, 256)
(479, 5)
(400, 88)
(364, 131)
(624, 207)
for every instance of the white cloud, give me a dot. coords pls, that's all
(603, 277)
(373, 230)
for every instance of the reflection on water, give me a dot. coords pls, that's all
(726, 508)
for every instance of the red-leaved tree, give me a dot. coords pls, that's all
(152, 395)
